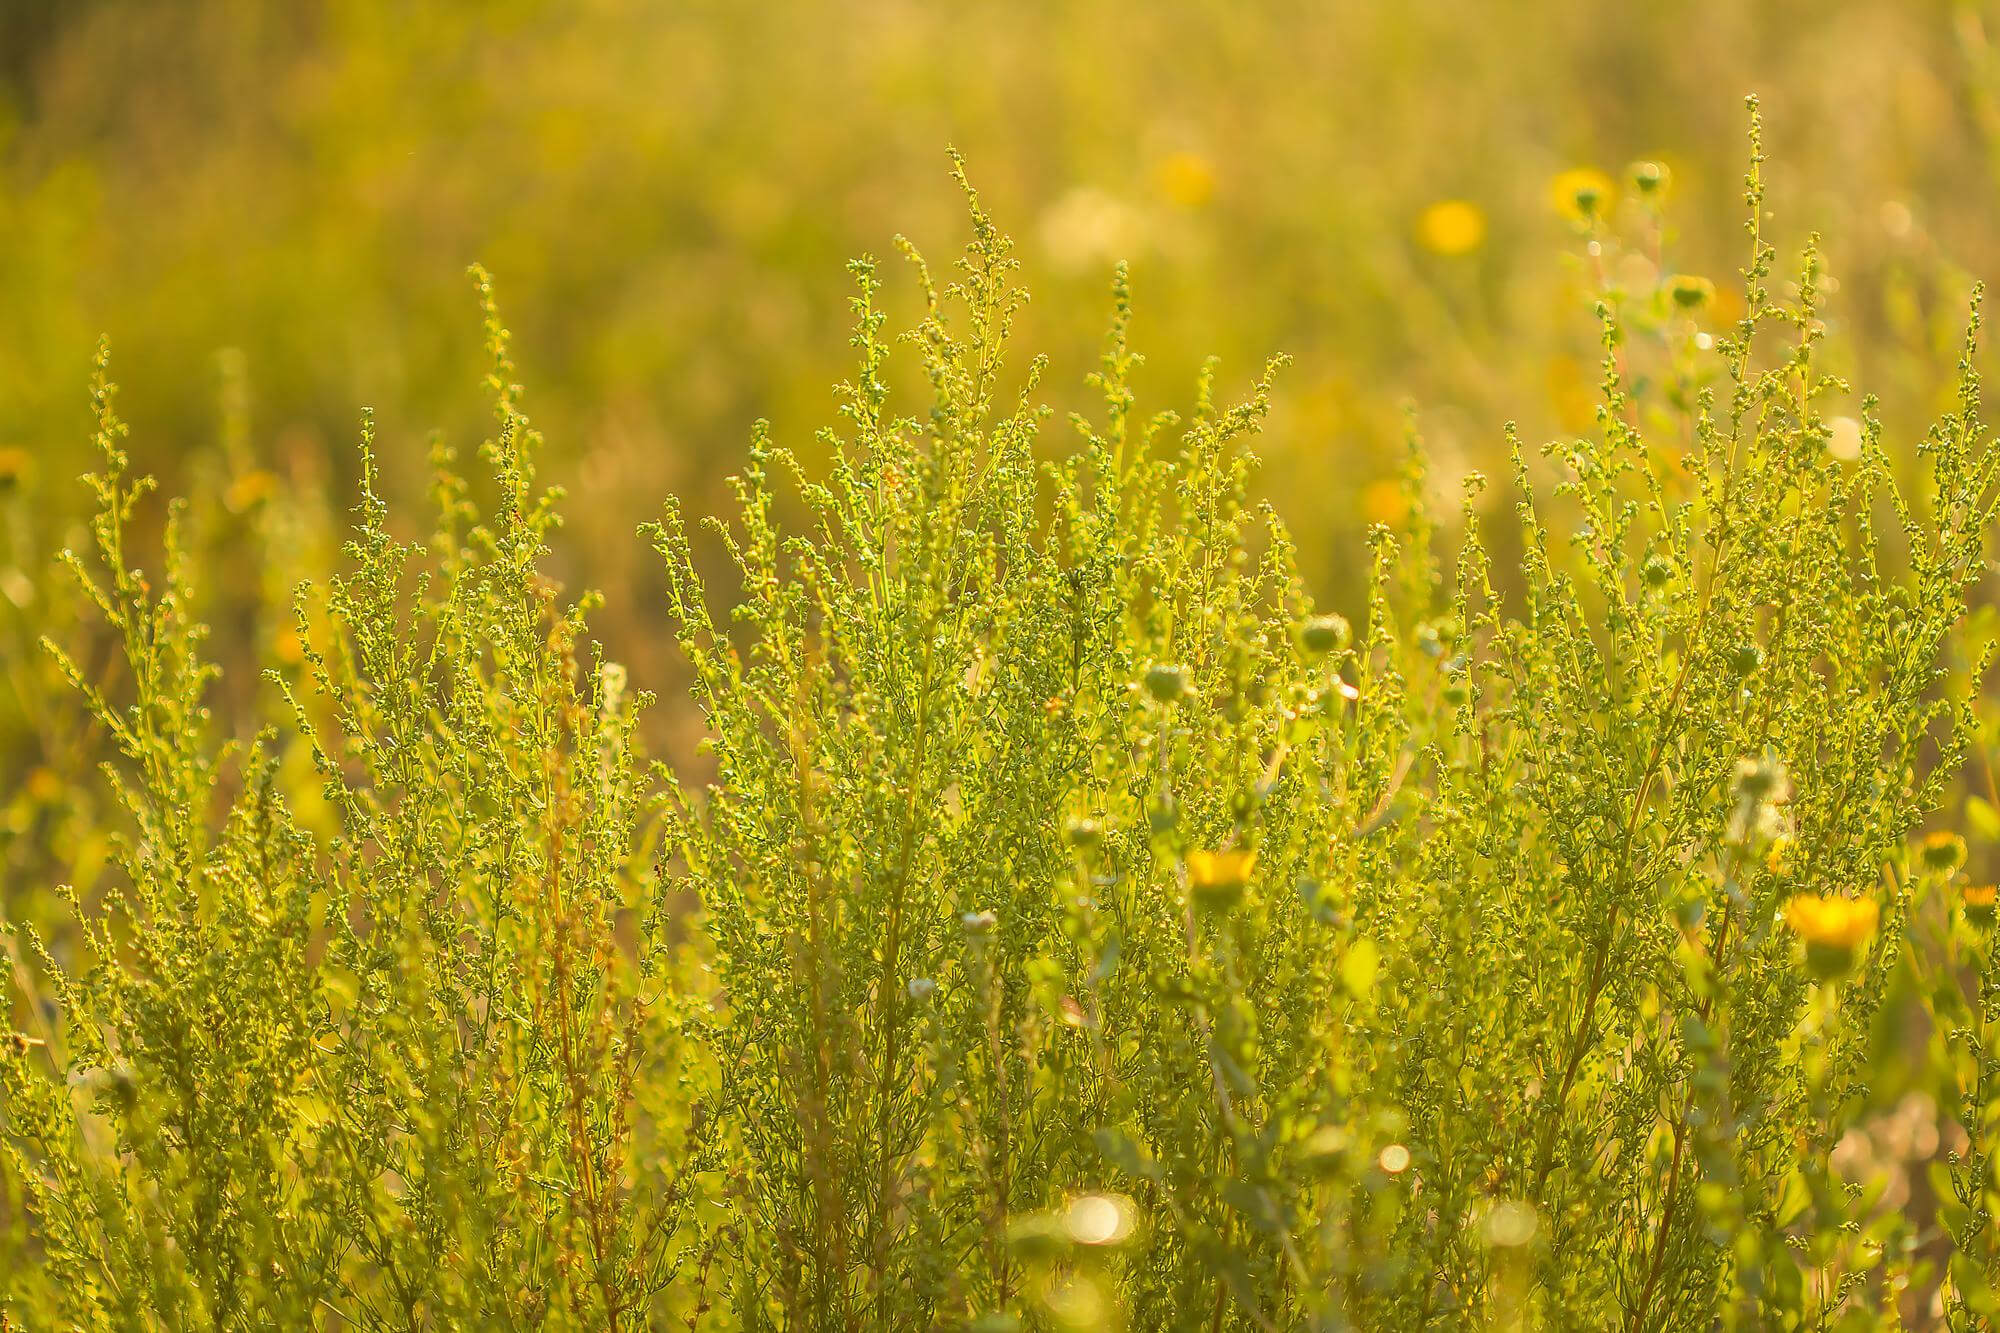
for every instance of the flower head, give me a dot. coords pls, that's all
(1833, 927)
(1216, 880)
(1324, 634)
(1451, 227)
(1690, 291)
(1580, 193)
(1166, 682)
(15, 464)
(1650, 178)
(1944, 850)
(1186, 179)
(1978, 902)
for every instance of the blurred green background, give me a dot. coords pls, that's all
(269, 209)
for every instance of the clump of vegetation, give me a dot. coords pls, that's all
(1082, 929)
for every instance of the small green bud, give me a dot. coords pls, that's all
(1657, 571)
(1651, 178)
(1745, 658)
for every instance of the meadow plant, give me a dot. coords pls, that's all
(1081, 928)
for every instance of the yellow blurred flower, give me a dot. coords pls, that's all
(1689, 290)
(1581, 193)
(1382, 502)
(248, 489)
(1832, 927)
(1978, 900)
(1216, 880)
(1831, 918)
(14, 465)
(1451, 227)
(44, 786)
(1779, 858)
(1187, 179)
(1943, 850)
(1650, 178)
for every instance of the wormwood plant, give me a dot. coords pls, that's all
(1081, 929)
(425, 1074)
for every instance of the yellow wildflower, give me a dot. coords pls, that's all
(1650, 178)
(14, 466)
(44, 786)
(1978, 901)
(1383, 502)
(1216, 880)
(1832, 926)
(1186, 179)
(1451, 227)
(1944, 850)
(1690, 290)
(1581, 193)
(249, 489)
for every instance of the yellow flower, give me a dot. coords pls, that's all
(1944, 850)
(1581, 193)
(1779, 858)
(248, 489)
(1382, 502)
(1690, 290)
(1451, 227)
(1978, 900)
(1831, 918)
(1216, 880)
(14, 466)
(1650, 178)
(1187, 179)
(1832, 926)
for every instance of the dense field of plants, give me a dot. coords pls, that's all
(1040, 846)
